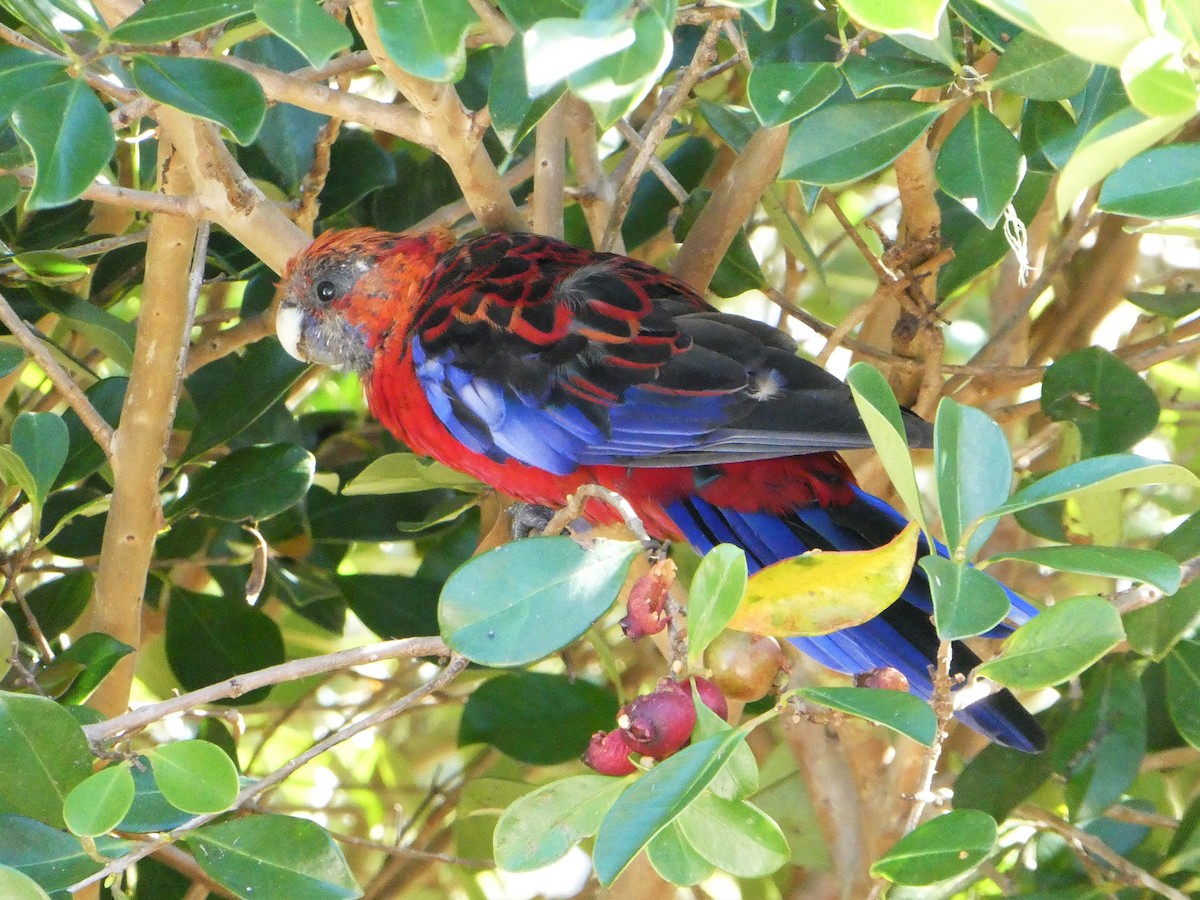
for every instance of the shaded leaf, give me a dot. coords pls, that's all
(1109, 403)
(904, 713)
(45, 755)
(544, 824)
(781, 92)
(1161, 183)
(305, 25)
(1147, 566)
(979, 164)
(939, 849)
(251, 483)
(966, 602)
(426, 38)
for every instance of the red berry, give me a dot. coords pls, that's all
(647, 601)
(659, 723)
(711, 696)
(608, 754)
(887, 678)
(744, 666)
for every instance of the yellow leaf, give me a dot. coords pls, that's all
(822, 592)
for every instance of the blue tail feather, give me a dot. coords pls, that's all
(902, 637)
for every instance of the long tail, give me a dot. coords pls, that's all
(902, 637)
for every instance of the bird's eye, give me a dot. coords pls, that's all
(326, 291)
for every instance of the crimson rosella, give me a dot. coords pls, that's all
(537, 367)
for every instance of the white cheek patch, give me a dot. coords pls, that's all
(288, 324)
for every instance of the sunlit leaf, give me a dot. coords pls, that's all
(1147, 566)
(194, 776)
(204, 88)
(966, 602)
(98, 803)
(902, 712)
(544, 824)
(714, 597)
(426, 38)
(939, 849)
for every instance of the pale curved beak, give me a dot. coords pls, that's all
(288, 326)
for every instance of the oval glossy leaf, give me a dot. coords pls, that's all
(848, 141)
(166, 20)
(781, 92)
(555, 48)
(544, 824)
(23, 72)
(881, 414)
(979, 164)
(67, 130)
(868, 74)
(404, 473)
(1183, 690)
(426, 38)
(251, 483)
(939, 849)
(41, 440)
(52, 858)
(1147, 566)
(1156, 78)
(195, 776)
(150, 811)
(18, 885)
(1109, 403)
(51, 267)
(1056, 644)
(676, 860)
(525, 600)
(966, 602)
(204, 88)
(734, 836)
(1101, 473)
(902, 712)
(514, 112)
(713, 599)
(973, 467)
(1039, 70)
(655, 799)
(536, 717)
(1155, 629)
(99, 802)
(615, 85)
(83, 666)
(45, 755)
(198, 647)
(918, 17)
(273, 857)
(1158, 184)
(818, 593)
(306, 26)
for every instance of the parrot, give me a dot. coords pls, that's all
(537, 367)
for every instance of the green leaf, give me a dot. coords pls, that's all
(868, 74)
(919, 17)
(204, 88)
(881, 415)
(84, 455)
(40, 439)
(903, 713)
(655, 799)
(83, 665)
(525, 14)
(11, 358)
(1147, 566)
(1098, 474)
(847, 141)
(676, 860)
(232, 392)
(1104, 31)
(514, 112)
(941, 848)
(14, 473)
(45, 755)
(8, 642)
(305, 25)
(18, 885)
(165, 20)
(738, 270)
(1161, 183)
(150, 810)
(979, 164)
(251, 483)
(1156, 78)
(734, 836)
(536, 717)
(807, 594)
(1153, 630)
(614, 85)
(966, 602)
(544, 824)
(23, 72)
(194, 776)
(1109, 403)
(738, 778)
(51, 267)
(273, 857)
(781, 92)
(525, 600)
(426, 38)
(1108, 146)
(98, 803)
(39, 15)
(713, 599)
(67, 130)
(200, 652)
(555, 48)
(57, 604)
(973, 466)
(52, 858)
(1057, 644)
(1039, 70)
(403, 473)
(1183, 690)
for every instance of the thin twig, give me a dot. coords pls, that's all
(630, 134)
(100, 430)
(292, 670)
(123, 197)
